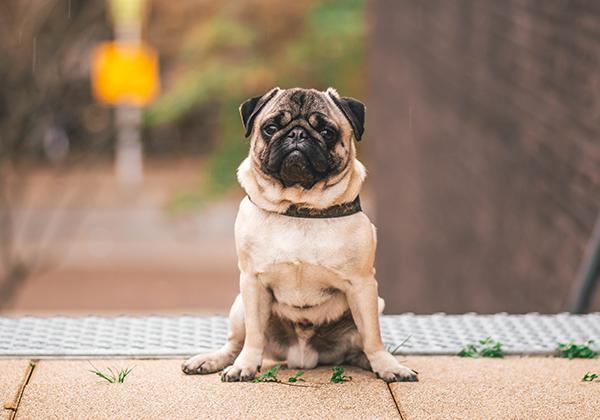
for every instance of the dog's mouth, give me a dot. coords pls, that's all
(295, 168)
(297, 161)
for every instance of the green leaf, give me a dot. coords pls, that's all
(486, 348)
(269, 376)
(575, 351)
(470, 350)
(338, 375)
(114, 376)
(296, 377)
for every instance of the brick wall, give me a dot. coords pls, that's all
(484, 146)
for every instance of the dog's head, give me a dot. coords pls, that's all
(302, 136)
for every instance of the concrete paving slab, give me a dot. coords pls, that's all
(12, 374)
(158, 389)
(510, 388)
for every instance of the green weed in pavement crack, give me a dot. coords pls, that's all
(573, 350)
(483, 348)
(296, 377)
(338, 375)
(112, 376)
(269, 376)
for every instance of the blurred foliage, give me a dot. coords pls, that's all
(47, 115)
(244, 49)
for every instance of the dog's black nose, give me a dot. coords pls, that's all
(297, 133)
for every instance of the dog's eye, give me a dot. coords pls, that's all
(270, 129)
(328, 134)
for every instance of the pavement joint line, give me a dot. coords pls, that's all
(14, 406)
(396, 403)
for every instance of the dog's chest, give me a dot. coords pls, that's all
(302, 256)
(299, 259)
(300, 285)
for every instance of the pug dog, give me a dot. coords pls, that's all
(308, 294)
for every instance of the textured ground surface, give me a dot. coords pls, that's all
(12, 373)
(450, 387)
(511, 388)
(158, 389)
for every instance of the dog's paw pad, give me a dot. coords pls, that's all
(389, 369)
(205, 363)
(235, 373)
(190, 369)
(405, 375)
(192, 366)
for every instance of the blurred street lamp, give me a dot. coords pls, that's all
(125, 75)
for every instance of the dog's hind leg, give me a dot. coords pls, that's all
(357, 358)
(217, 360)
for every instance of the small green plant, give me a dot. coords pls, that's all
(112, 376)
(470, 350)
(269, 376)
(338, 375)
(590, 377)
(575, 351)
(491, 348)
(484, 348)
(296, 377)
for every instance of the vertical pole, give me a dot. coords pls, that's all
(129, 168)
(588, 275)
(129, 171)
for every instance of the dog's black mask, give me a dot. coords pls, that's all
(296, 154)
(299, 136)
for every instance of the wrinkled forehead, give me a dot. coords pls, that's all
(303, 102)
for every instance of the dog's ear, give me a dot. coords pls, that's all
(250, 109)
(353, 110)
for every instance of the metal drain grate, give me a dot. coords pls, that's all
(147, 336)
(520, 334)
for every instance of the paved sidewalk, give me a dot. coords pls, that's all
(450, 387)
(512, 388)
(12, 373)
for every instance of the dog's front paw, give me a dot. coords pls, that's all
(244, 368)
(389, 369)
(235, 373)
(206, 363)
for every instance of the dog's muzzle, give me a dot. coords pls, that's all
(298, 158)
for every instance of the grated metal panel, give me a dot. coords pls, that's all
(519, 334)
(111, 336)
(148, 336)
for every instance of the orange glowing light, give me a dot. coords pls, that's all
(124, 73)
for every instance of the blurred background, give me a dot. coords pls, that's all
(120, 136)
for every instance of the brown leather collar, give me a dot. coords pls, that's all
(339, 210)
